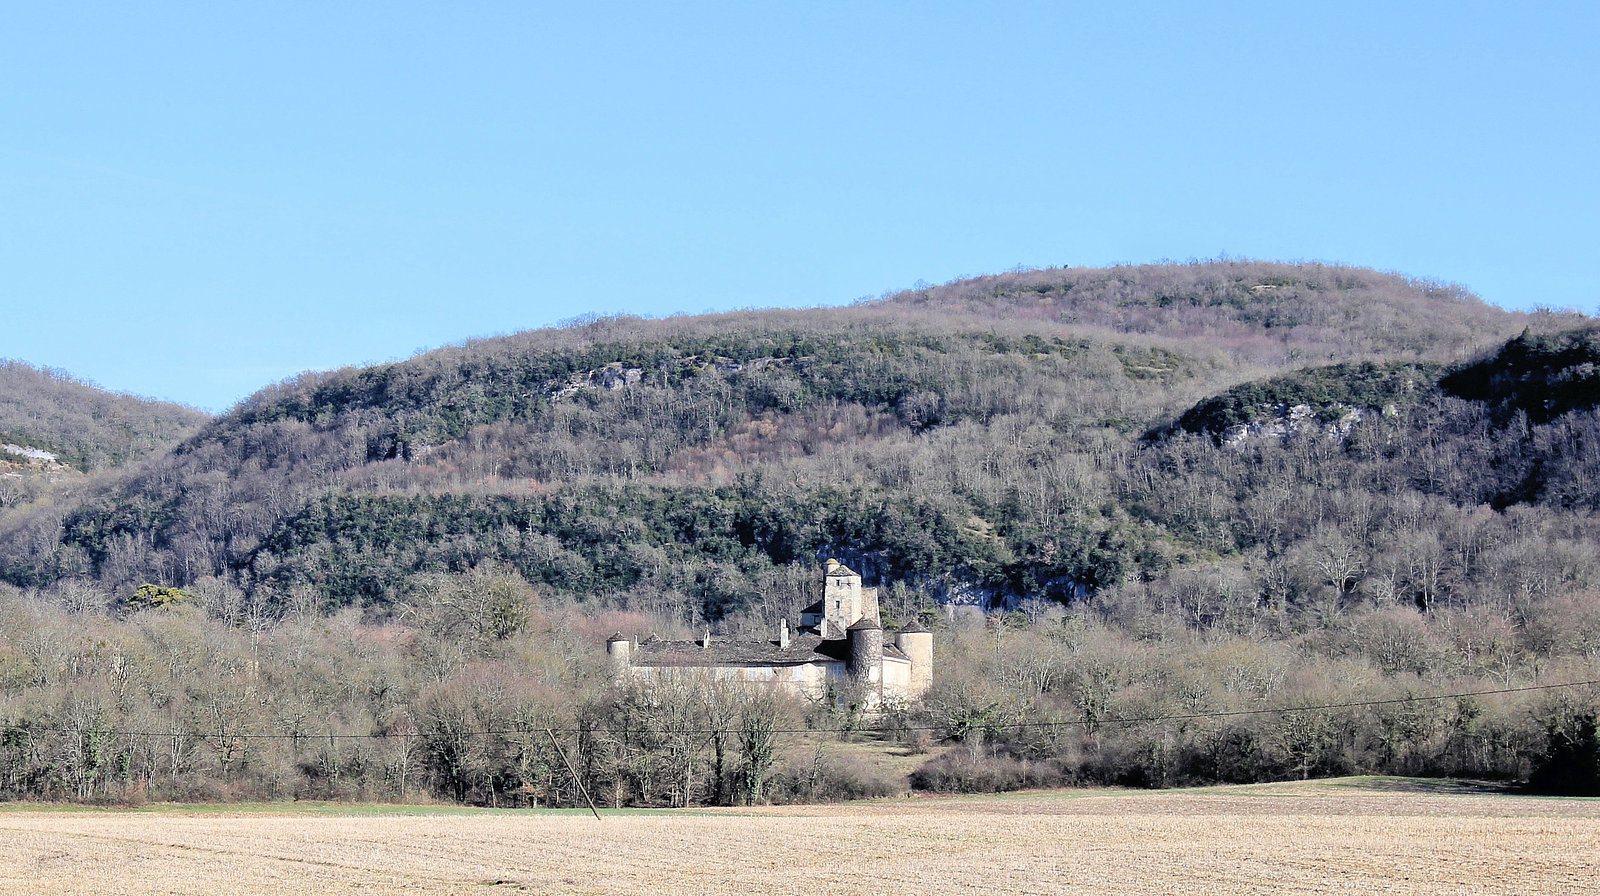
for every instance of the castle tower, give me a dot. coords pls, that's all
(841, 594)
(866, 652)
(916, 643)
(619, 655)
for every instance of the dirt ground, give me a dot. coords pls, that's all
(1350, 836)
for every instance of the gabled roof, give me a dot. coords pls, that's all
(802, 650)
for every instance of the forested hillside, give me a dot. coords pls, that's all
(965, 439)
(1177, 491)
(53, 428)
(85, 427)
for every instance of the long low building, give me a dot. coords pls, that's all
(838, 651)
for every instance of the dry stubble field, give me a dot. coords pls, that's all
(1355, 836)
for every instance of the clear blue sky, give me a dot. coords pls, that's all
(199, 199)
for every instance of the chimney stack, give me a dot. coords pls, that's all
(783, 634)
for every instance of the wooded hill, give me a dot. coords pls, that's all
(977, 442)
(1272, 507)
(54, 427)
(86, 427)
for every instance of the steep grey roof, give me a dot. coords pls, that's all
(913, 628)
(813, 610)
(865, 624)
(840, 570)
(802, 649)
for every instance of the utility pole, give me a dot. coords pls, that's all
(575, 778)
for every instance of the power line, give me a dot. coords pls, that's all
(1139, 720)
(996, 726)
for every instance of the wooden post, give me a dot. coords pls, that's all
(575, 777)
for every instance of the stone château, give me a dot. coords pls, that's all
(838, 650)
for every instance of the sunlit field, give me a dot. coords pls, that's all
(1357, 835)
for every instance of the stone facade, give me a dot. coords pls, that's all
(838, 650)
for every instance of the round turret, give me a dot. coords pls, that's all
(619, 653)
(916, 643)
(866, 650)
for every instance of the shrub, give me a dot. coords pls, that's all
(1571, 761)
(979, 770)
(825, 777)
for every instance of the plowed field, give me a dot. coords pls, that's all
(1357, 836)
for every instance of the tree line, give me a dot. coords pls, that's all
(485, 689)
